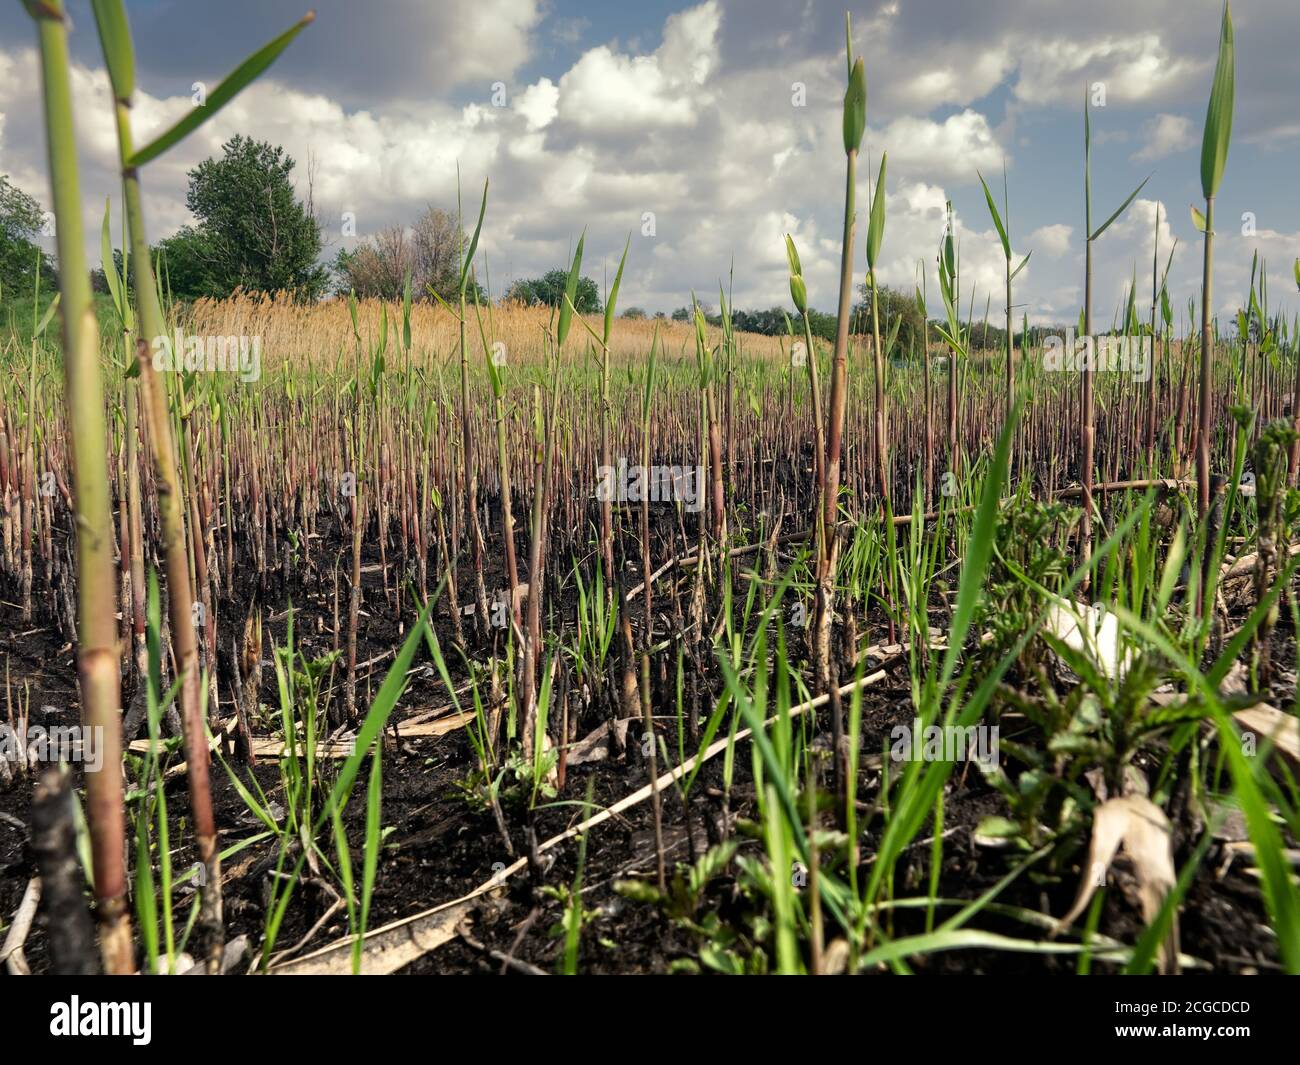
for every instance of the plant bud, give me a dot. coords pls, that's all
(855, 108)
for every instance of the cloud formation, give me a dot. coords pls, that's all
(711, 133)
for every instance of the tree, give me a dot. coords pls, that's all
(430, 250)
(21, 259)
(548, 291)
(187, 265)
(255, 232)
(636, 313)
(892, 305)
(183, 263)
(770, 322)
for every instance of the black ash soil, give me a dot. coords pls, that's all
(443, 844)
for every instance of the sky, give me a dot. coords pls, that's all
(707, 131)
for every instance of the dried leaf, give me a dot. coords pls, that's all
(1141, 828)
(1280, 727)
(595, 746)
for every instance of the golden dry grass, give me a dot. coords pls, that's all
(299, 333)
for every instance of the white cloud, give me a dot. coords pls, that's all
(618, 93)
(538, 103)
(1165, 135)
(1233, 255)
(949, 150)
(607, 91)
(1129, 68)
(688, 53)
(950, 75)
(1051, 241)
(701, 131)
(482, 41)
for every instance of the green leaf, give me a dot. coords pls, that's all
(945, 285)
(771, 760)
(1023, 263)
(115, 40)
(997, 218)
(370, 854)
(648, 394)
(110, 265)
(952, 341)
(949, 263)
(233, 83)
(971, 939)
(1218, 115)
(473, 244)
(893, 334)
(855, 107)
(979, 552)
(613, 290)
(996, 827)
(796, 267)
(406, 312)
(45, 318)
(570, 293)
(798, 290)
(876, 226)
(1087, 124)
(638, 891)
(1122, 208)
(1198, 219)
(376, 718)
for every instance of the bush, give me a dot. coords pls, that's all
(548, 291)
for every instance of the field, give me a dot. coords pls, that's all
(455, 636)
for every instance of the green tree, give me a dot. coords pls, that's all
(21, 258)
(255, 232)
(548, 291)
(893, 306)
(187, 265)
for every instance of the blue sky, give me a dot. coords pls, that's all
(685, 112)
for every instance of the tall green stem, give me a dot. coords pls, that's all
(97, 657)
(1207, 351)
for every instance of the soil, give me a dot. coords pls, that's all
(443, 843)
